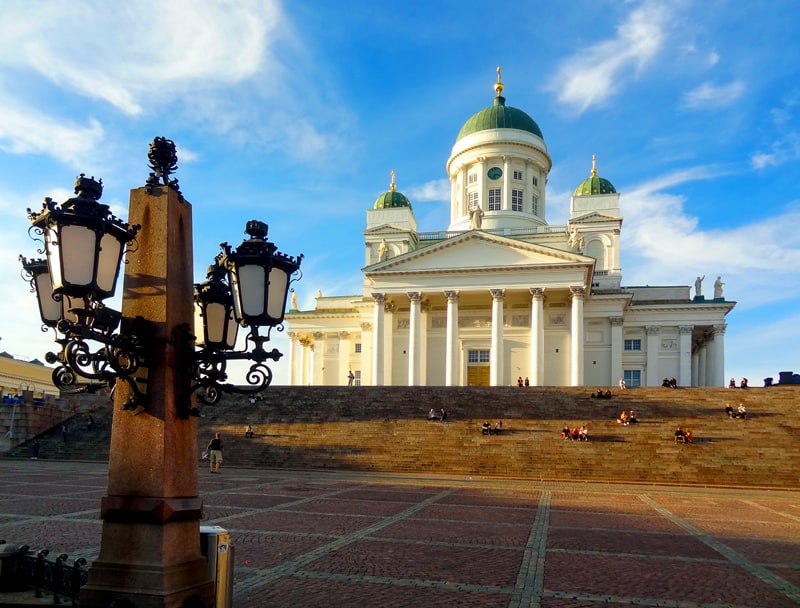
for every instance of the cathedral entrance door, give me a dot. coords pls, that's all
(477, 375)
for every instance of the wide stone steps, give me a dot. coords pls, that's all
(386, 429)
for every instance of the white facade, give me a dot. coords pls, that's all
(501, 295)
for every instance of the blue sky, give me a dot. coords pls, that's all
(295, 113)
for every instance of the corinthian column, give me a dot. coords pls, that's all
(451, 346)
(653, 343)
(537, 337)
(496, 354)
(718, 369)
(576, 337)
(377, 339)
(413, 338)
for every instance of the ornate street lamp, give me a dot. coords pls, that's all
(37, 274)
(85, 245)
(84, 242)
(258, 279)
(215, 325)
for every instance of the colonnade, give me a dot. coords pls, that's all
(701, 354)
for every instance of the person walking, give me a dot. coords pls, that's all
(214, 450)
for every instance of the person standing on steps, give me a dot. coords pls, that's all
(215, 453)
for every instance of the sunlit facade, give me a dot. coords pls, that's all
(501, 295)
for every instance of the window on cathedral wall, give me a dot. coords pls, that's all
(472, 200)
(358, 347)
(535, 181)
(535, 204)
(516, 200)
(632, 344)
(357, 374)
(494, 199)
(518, 175)
(472, 178)
(478, 356)
(633, 377)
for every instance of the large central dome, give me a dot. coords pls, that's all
(499, 116)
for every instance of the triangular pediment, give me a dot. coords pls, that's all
(475, 250)
(386, 229)
(595, 217)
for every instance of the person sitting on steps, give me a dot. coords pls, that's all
(248, 432)
(729, 411)
(486, 428)
(498, 427)
(565, 432)
(680, 436)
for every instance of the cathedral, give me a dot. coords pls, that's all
(501, 297)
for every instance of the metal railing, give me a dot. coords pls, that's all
(32, 570)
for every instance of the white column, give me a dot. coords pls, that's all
(365, 358)
(496, 354)
(317, 358)
(536, 372)
(695, 363)
(482, 185)
(377, 339)
(653, 344)
(413, 338)
(305, 343)
(685, 355)
(617, 370)
(576, 337)
(345, 348)
(451, 341)
(506, 204)
(718, 377)
(292, 358)
(702, 363)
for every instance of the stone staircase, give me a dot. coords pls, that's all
(386, 429)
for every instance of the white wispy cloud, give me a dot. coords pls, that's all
(664, 243)
(592, 76)
(436, 190)
(127, 53)
(26, 131)
(710, 96)
(786, 145)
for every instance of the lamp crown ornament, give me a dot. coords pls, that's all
(163, 158)
(88, 187)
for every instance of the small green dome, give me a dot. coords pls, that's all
(594, 184)
(499, 116)
(392, 198)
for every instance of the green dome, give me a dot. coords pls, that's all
(391, 199)
(594, 184)
(499, 116)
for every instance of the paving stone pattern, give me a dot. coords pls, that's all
(310, 539)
